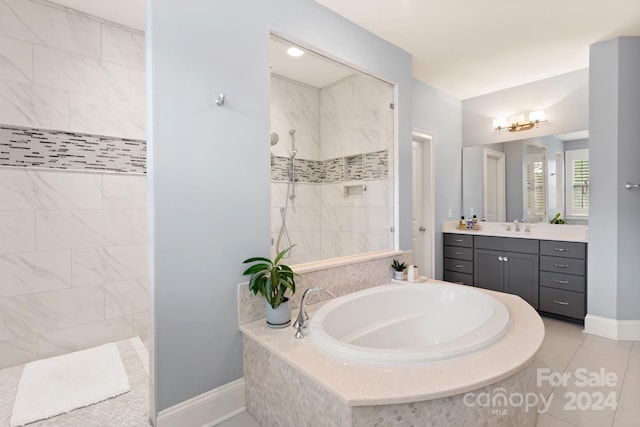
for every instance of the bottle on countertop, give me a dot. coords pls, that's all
(476, 226)
(463, 223)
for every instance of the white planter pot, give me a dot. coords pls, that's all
(398, 275)
(280, 316)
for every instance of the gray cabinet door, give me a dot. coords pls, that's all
(521, 276)
(488, 269)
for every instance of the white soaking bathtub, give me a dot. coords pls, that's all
(409, 324)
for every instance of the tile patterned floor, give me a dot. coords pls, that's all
(128, 410)
(565, 350)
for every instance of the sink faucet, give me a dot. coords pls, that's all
(517, 229)
(303, 317)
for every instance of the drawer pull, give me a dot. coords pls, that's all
(562, 265)
(459, 283)
(560, 302)
(458, 253)
(561, 249)
(459, 266)
(459, 240)
(563, 282)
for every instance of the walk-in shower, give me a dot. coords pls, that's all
(284, 241)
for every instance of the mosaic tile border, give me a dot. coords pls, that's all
(374, 165)
(53, 149)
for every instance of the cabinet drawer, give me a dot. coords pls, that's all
(568, 282)
(458, 253)
(507, 244)
(564, 303)
(459, 278)
(458, 265)
(563, 249)
(458, 240)
(562, 265)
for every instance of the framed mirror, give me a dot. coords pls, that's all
(332, 140)
(527, 179)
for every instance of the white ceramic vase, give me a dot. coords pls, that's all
(280, 316)
(398, 275)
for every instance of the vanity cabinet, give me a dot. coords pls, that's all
(458, 259)
(550, 275)
(563, 268)
(507, 265)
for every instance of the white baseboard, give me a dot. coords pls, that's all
(208, 409)
(621, 330)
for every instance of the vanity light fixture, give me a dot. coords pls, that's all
(294, 51)
(517, 123)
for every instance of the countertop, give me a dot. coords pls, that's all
(556, 232)
(360, 384)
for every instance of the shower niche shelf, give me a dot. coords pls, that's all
(353, 168)
(354, 189)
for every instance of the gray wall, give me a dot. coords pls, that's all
(614, 153)
(209, 167)
(439, 115)
(564, 98)
(472, 181)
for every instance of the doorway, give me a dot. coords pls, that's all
(423, 196)
(495, 203)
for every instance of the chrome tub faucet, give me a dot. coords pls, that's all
(303, 317)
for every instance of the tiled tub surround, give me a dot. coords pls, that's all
(291, 382)
(73, 264)
(344, 138)
(339, 276)
(60, 69)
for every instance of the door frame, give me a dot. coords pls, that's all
(501, 210)
(428, 208)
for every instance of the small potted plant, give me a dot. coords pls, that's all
(557, 220)
(399, 268)
(272, 279)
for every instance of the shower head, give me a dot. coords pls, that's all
(274, 138)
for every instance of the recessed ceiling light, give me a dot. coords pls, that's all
(294, 51)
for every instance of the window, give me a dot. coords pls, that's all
(577, 183)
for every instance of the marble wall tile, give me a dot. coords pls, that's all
(122, 46)
(137, 90)
(124, 191)
(365, 86)
(97, 266)
(65, 340)
(78, 229)
(27, 273)
(16, 351)
(17, 231)
(16, 60)
(127, 297)
(139, 226)
(41, 24)
(45, 311)
(102, 116)
(22, 189)
(80, 74)
(23, 104)
(141, 325)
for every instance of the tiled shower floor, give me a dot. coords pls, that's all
(127, 410)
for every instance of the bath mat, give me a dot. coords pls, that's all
(54, 386)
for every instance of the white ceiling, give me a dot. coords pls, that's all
(465, 47)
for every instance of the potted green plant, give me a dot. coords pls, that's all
(272, 280)
(557, 220)
(399, 268)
